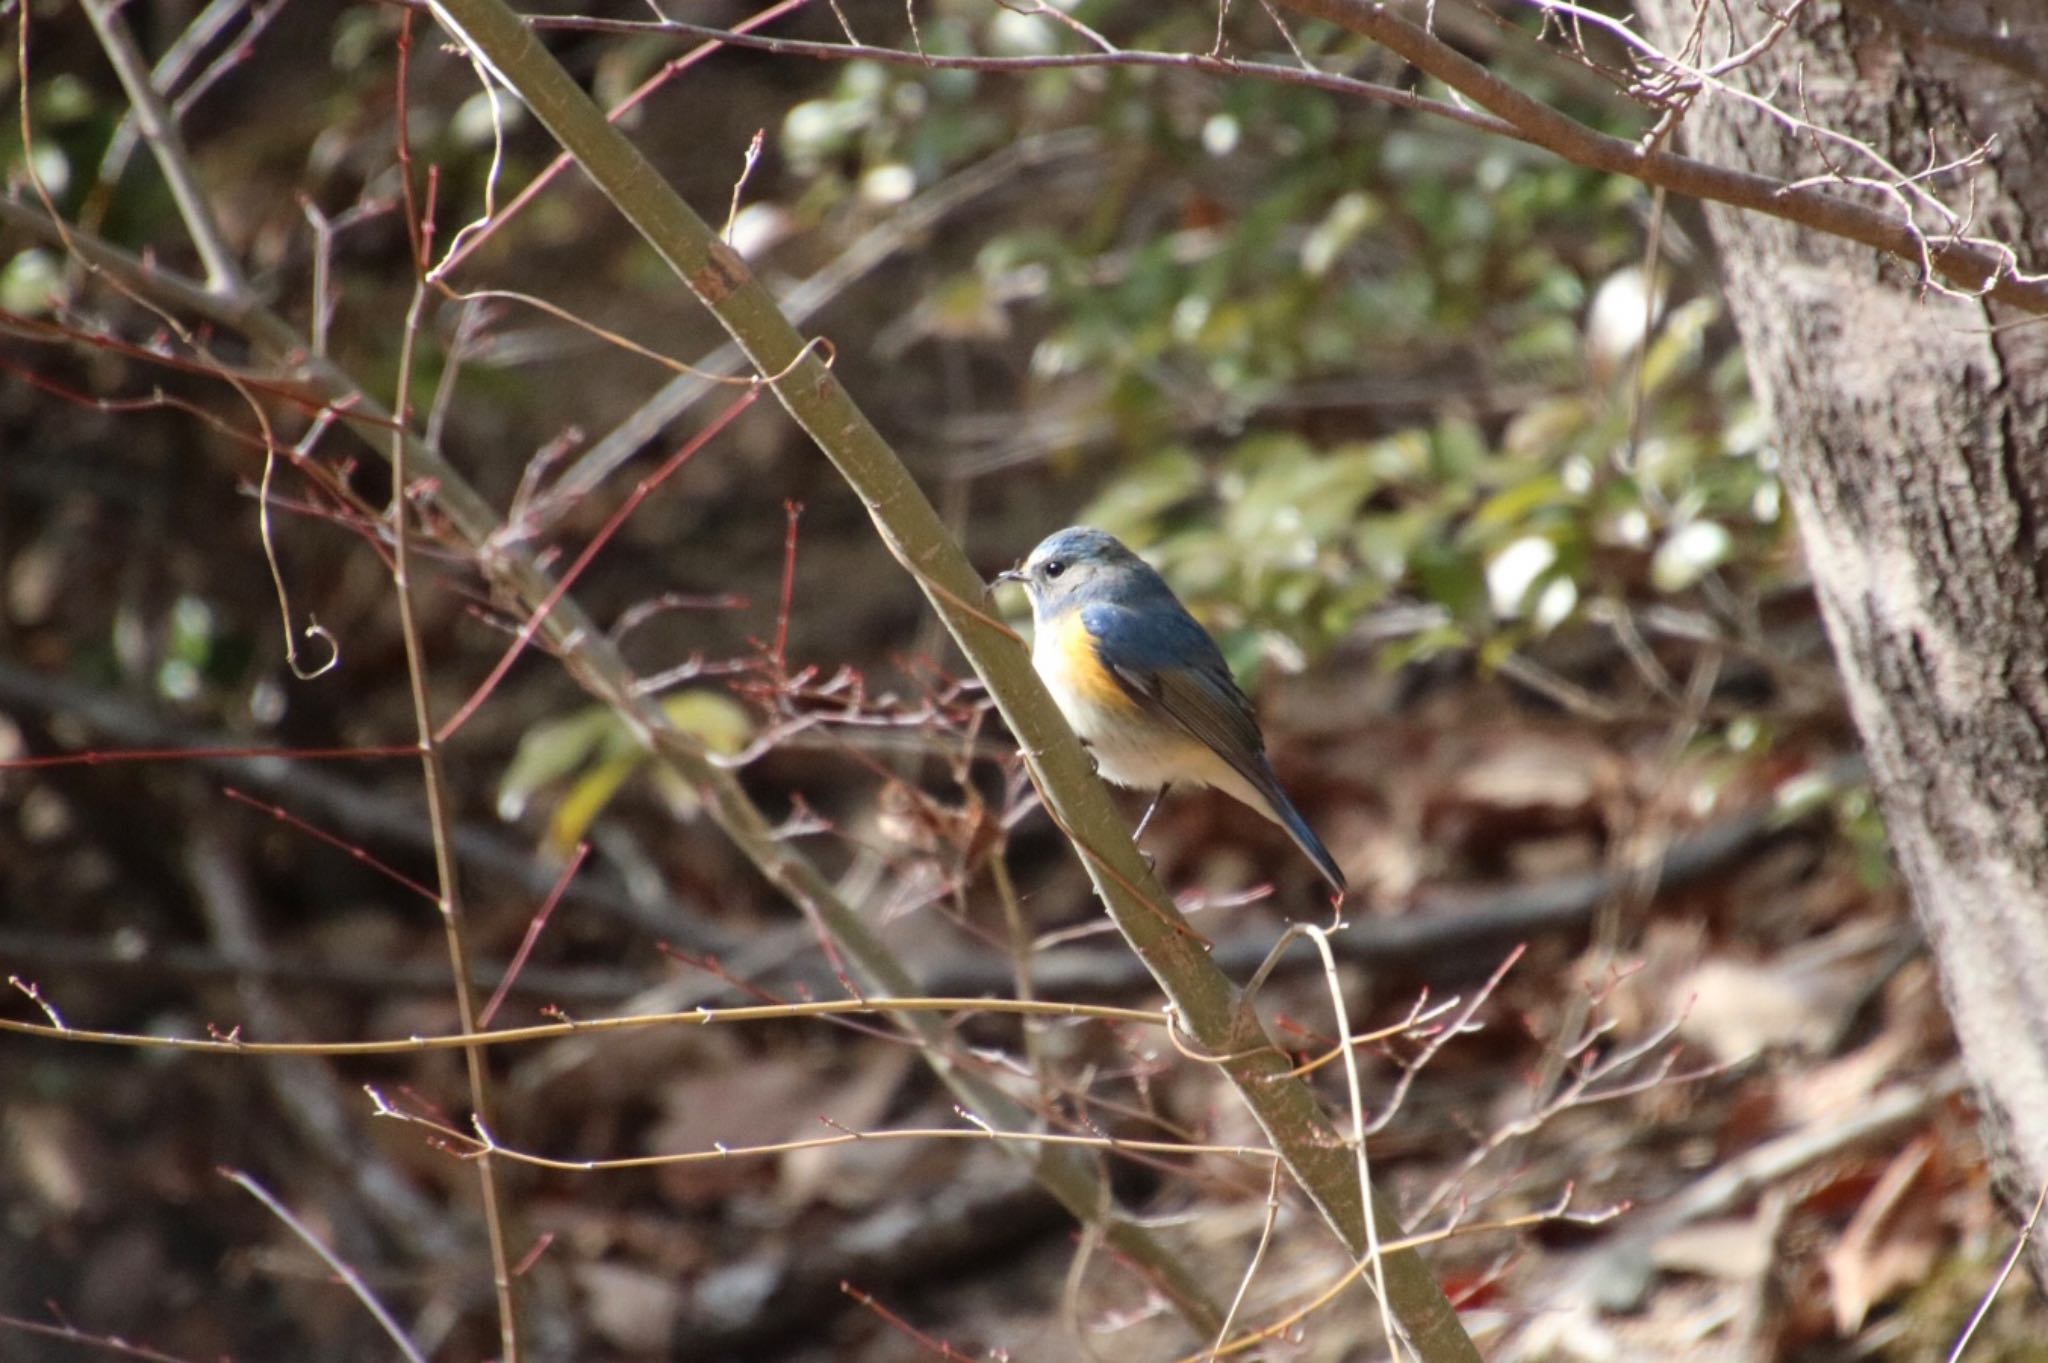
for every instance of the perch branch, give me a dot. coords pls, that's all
(1209, 1007)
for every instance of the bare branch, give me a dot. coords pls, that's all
(348, 1276)
(160, 129)
(441, 819)
(1976, 264)
(594, 659)
(1970, 263)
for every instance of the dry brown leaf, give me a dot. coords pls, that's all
(1558, 776)
(1739, 1249)
(1891, 1242)
(1841, 1085)
(1511, 787)
(57, 1159)
(632, 1309)
(1797, 998)
(1736, 1009)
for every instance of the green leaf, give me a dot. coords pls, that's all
(1678, 343)
(1453, 578)
(597, 748)
(30, 283)
(1157, 484)
(1515, 507)
(1548, 429)
(550, 751)
(585, 801)
(1458, 449)
(718, 721)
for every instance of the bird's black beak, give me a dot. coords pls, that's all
(1010, 575)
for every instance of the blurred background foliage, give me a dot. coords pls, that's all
(1321, 360)
(1343, 373)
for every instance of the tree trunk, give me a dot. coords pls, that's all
(1914, 436)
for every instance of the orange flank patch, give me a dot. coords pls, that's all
(1079, 671)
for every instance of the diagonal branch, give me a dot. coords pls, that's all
(160, 129)
(1210, 1009)
(1974, 264)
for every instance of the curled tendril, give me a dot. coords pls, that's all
(314, 630)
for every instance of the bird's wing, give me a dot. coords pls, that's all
(1167, 661)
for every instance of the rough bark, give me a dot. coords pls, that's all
(1914, 434)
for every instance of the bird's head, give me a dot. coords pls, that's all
(1078, 564)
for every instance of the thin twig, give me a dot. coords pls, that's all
(349, 1278)
(597, 663)
(170, 69)
(1100, 57)
(1266, 1224)
(461, 250)
(479, 1142)
(440, 820)
(1976, 264)
(1021, 946)
(71, 1334)
(901, 229)
(160, 129)
(2012, 1259)
(58, 1030)
(533, 932)
(1371, 1229)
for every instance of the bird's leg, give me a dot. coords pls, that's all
(1145, 821)
(1149, 811)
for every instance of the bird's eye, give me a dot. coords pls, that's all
(1053, 567)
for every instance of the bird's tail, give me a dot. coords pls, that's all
(1281, 810)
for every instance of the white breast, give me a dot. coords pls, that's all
(1133, 750)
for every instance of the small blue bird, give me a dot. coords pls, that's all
(1143, 684)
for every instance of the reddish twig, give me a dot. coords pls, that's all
(401, 120)
(932, 1345)
(285, 816)
(101, 759)
(618, 518)
(669, 71)
(71, 1334)
(533, 931)
(793, 510)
